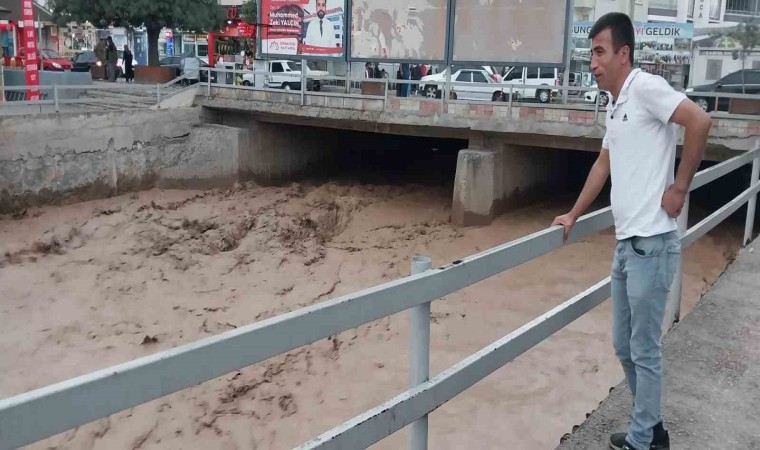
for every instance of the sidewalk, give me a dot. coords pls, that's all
(712, 389)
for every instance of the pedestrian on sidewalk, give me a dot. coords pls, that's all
(129, 71)
(638, 152)
(111, 57)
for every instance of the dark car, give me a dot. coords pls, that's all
(85, 61)
(704, 95)
(174, 62)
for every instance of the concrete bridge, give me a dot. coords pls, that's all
(511, 151)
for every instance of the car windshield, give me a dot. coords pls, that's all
(50, 54)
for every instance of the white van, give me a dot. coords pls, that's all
(544, 78)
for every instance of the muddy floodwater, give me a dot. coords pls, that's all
(97, 283)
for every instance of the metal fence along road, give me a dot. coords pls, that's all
(40, 413)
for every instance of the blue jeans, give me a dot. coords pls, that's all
(642, 271)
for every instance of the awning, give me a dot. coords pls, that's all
(4, 10)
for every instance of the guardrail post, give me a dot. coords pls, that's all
(419, 355)
(447, 86)
(596, 106)
(303, 82)
(443, 105)
(348, 77)
(385, 94)
(208, 83)
(55, 97)
(158, 95)
(511, 93)
(751, 205)
(673, 305)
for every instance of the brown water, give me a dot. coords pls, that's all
(93, 284)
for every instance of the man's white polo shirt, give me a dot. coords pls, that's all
(642, 146)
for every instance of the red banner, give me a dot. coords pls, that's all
(31, 68)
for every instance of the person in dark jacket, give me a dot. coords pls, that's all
(129, 72)
(111, 58)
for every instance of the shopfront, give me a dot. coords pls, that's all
(234, 38)
(191, 44)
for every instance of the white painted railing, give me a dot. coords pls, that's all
(56, 408)
(53, 96)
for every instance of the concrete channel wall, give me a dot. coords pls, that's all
(48, 158)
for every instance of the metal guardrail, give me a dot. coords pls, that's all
(43, 412)
(511, 92)
(51, 94)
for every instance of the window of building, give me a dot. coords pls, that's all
(714, 69)
(663, 4)
(715, 9)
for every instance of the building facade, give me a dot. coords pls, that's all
(681, 11)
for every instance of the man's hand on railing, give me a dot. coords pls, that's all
(673, 200)
(567, 221)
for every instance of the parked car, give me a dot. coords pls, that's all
(85, 61)
(543, 78)
(46, 60)
(591, 96)
(730, 84)
(189, 64)
(290, 78)
(434, 90)
(174, 62)
(477, 76)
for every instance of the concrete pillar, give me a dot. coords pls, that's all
(488, 182)
(476, 187)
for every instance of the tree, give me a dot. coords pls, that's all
(249, 11)
(748, 35)
(190, 15)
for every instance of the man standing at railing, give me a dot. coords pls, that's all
(639, 151)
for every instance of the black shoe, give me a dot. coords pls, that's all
(660, 440)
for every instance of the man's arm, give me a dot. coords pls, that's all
(597, 176)
(696, 125)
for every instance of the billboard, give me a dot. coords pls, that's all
(413, 30)
(669, 43)
(303, 27)
(509, 31)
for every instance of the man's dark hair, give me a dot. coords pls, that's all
(621, 29)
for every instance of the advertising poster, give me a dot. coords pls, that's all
(399, 29)
(303, 27)
(510, 31)
(669, 43)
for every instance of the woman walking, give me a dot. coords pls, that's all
(129, 72)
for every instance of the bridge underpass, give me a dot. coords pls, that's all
(508, 154)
